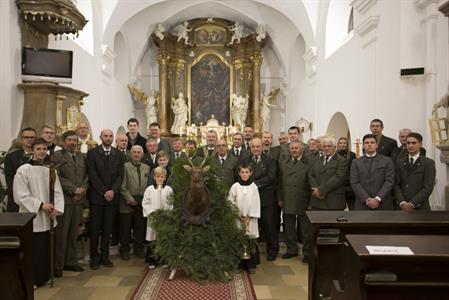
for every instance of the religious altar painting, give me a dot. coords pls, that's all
(210, 89)
(210, 35)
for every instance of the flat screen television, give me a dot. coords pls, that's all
(49, 65)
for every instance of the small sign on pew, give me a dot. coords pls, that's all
(389, 250)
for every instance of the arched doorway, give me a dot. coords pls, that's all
(338, 127)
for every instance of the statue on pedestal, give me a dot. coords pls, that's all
(239, 110)
(151, 107)
(267, 103)
(180, 110)
(237, 33)
(183, 32)
(159, 31)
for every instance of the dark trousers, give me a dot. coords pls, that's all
(290, 223)
(134, 220)
(268, 221)
(41, 257)
(66, 234)
(101, 219)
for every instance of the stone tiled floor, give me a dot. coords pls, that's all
(281, 279)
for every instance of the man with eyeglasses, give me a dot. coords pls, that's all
(14, 160)
(415, 177)
(226, 164)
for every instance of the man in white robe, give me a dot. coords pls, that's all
(32, 194)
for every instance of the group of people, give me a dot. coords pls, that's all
(272, 186)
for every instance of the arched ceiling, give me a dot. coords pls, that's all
(137, 20)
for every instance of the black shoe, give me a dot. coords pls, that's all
(74, 268)
(124, 256)
(305, 260)
(94, 265)
(58, 273)
(106, 262)
(288, 255)
(271, 257)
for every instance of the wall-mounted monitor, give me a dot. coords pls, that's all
(48, 65)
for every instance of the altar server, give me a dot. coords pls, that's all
(155, 198)
(245, 195)
(32, 194)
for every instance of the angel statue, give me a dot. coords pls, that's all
(237, 33)
(267, 103)
(261, 33)
(159, 31)
(239, 110)
(183, 32)
(149, 101)
(180, 110)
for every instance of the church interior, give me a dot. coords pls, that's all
(328, 67)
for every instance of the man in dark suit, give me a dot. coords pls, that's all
(14, 160)
(385, 144)
(295, 200)
(155, 133)
(401, 152)
(238, 150)
(149, 158)
(264, 175)
(372, 178)
(121, 143)
(134, 137)
(294, 135)
(226, 165)
(177, 151)
(268, 149)
(248, 134)
(327, 178)
(211, 143)
(73, 177)
(415, 177)
(105, 171)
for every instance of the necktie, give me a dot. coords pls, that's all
(107, 152)
(176, 155)
(247, 145)
(265, 151)
(74, 158)
(326, 159)
(222, 160)
(256, 159)
(295, 160)
(236, 152)
(411, 161)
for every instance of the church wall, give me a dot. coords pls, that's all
(11, 98)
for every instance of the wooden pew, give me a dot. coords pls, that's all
(16, 257)
(327, 253)
(422, 275)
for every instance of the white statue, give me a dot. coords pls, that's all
(151, 108)
(267, 104)
(239, 110)
(237, 32)
(159, 31)
(261, 33)
(183, 32)
(180, 110)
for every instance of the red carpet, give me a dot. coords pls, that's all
(155, 285)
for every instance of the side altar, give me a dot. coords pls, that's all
(209, 69)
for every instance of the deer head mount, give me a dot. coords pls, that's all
(196, 206)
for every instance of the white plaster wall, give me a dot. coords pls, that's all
(11, 99)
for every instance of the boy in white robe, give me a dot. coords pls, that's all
(245, 195)
(155, 198)
(32, 194)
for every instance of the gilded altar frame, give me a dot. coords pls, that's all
(208, 36)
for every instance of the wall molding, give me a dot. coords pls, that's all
(310, 57)
(367, 26)
(108, 60)
(362, 6)
(422, 4)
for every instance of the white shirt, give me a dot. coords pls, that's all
(154, 199)
(415, 157)
(31, 189)
(247, 200)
